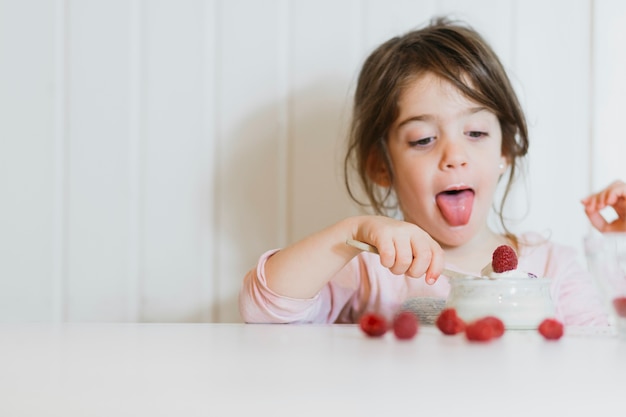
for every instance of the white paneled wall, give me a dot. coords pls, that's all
(150, 151)
(608, 105)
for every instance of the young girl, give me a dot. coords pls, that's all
(436, 124)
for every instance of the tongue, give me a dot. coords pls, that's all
(456, 208)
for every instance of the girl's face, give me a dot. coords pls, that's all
(446, 155)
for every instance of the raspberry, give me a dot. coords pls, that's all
(496, 324)
(504, 259)
(551, 329)
(619, 303)
(449, 323)
(485, 329)
(373, 325)
(405, 325)
(479, 332)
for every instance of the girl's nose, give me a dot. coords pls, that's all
(453, 156)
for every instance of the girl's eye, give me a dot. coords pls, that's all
(476, 134)
(422, 142)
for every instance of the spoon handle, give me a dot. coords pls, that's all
(366, 247)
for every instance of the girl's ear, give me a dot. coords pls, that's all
(377, 170)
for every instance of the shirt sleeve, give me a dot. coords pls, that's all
(259, 304)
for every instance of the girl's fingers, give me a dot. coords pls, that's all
(597, 220)
(422, 256)
(387, 254)
(413, 259)
(403, 248)
(620, 208)
(404, 257)
(610, 196)
(436, 266)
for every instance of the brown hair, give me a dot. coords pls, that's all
(450, 50)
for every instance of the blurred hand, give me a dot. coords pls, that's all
(612, 196)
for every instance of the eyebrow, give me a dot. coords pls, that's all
(430, 117)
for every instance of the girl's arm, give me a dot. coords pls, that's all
(302, 269)
(614, 196)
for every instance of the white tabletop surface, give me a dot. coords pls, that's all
(303, 370)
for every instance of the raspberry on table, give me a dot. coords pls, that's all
(551, 329)
(496, 324)
(484, 329)
(405, 325)
(619, 304)
(373, 325)
(449, 322)
(504, 259)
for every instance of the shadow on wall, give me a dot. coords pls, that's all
(279, 178)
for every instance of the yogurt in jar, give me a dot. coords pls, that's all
(520, 300)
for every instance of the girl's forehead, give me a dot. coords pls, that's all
(429, 94)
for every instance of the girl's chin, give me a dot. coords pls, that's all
(447, 235)
(454, 236)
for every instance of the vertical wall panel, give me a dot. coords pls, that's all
(208, 166)
(249, 141)
(552, 61)
(609, 101)
(382, 22)
(27, 160)
(323, 64)
(98, 186)
(135, 102)
(59, 189)
(172, 144)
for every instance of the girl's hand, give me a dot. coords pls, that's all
(404, 247)
(614, 196)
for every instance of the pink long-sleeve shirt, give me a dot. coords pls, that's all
(365, 285)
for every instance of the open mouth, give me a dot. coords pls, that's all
(456, 205)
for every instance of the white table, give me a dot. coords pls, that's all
(288, 370)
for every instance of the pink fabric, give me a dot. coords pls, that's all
(364, 285)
